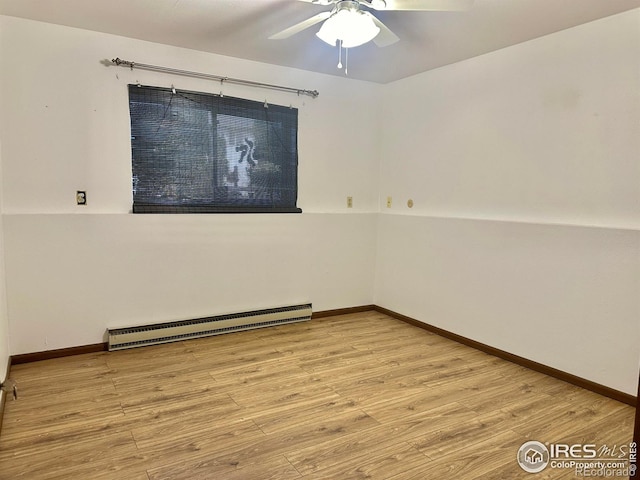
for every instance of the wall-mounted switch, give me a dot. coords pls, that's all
(81, 197)
(349, 202)
(388, 202)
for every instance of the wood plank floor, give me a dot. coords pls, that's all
(359, 396)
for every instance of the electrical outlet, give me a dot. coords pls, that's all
(388, 202)
(81, 197)
(349, 202)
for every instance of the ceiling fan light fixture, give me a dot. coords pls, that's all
(327, 33)
(351, 26)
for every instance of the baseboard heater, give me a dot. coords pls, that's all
(130, 337)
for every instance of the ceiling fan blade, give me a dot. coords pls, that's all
(386, 37)
(319, 2)
(424, 5)
(298, 27)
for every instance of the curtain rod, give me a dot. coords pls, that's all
(125, 63)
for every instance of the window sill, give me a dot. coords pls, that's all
(210, 209)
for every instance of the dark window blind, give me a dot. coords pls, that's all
(201, 153)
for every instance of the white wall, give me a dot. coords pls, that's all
(4, 319)
(71, 276)
(66, 119)
(523, 165)
(74, 270)
(563, 296)
(545, 131)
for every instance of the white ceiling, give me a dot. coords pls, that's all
(240, 28)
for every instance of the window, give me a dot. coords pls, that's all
(202, 153)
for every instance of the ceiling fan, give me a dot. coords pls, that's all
(349, 25)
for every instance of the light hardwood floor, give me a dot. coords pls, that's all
(348, 397)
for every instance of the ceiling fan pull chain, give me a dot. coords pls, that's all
(339, 53)
(346, 61)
